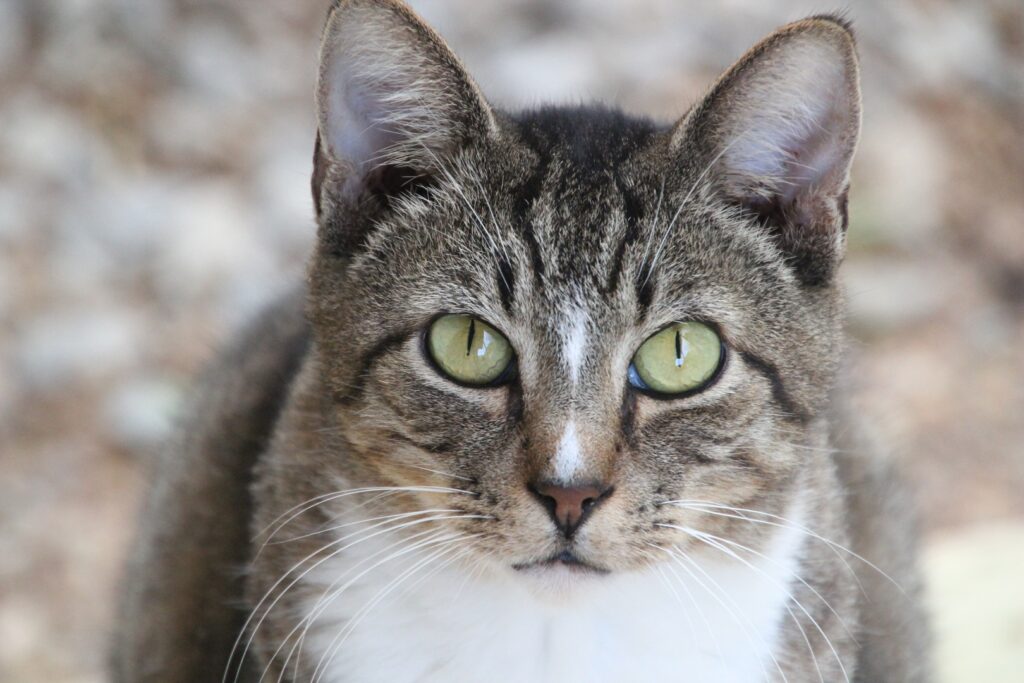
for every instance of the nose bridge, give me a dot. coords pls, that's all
(573, 445)
(573, 428)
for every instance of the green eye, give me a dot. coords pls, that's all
(469, 350)
(681, 358)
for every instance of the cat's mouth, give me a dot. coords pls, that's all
(565, 560)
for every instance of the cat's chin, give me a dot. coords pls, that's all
(563, 576)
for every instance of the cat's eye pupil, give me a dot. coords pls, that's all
(680, 359)
(468, 350)
(470, 336)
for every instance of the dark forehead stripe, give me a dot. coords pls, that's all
(594, 142)
(528, 193)
(506, 283)
(634, 214)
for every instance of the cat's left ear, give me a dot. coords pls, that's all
(776, 135)
(393, 101)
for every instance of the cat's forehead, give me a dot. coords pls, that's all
(585, 194)
(591, 139)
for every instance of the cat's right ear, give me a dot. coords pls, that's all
(393, 102)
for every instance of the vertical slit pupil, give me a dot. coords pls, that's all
(679, 348)
(470, 336)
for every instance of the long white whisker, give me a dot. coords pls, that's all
(787, 524)
(493, 216)
(735, 611)
(333, 553)
(255, 610)
(714, 544)
(681, 556)
(433, 536)
(336, 527)
(440, 473)
(339, 640)
(794, 574)
(686, 613)
(316, 501)
(655, 223)
(476, 216)
(686, 200)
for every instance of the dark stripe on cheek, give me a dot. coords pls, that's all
(358, 386)
(628, 417)
(514, 404)
(438, 448)
(779, 393)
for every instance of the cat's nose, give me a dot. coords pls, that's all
(569, 506)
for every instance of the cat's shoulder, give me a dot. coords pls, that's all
(193, 539)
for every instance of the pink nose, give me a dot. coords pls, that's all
(569, 506)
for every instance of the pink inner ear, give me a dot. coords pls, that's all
(791, 122)
(785, 162)
(356, 132)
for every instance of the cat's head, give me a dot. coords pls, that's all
(571, 315)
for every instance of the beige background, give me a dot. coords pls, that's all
(154, 162)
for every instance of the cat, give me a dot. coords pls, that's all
(559, 401)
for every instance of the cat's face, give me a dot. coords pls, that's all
(572, 237)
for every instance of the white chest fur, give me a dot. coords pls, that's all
(719, 623)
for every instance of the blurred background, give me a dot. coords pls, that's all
(154, 164)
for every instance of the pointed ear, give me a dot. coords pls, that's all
(392, 100)
(777, 134)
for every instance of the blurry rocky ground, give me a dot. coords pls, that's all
(154, 159)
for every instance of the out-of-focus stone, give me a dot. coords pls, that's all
(976, 598)
(43, 141)
(890, 294)
(63, 346)
(283, 165)
(140, 412)
(899, 164)
(12, 35)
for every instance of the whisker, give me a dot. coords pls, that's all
(493, 216)
(476, 216)
(745, 623)
(397, 515)
(655, 222)
(339, 640)
(672, 589)
(683, 557)
(324, 498)
(441, 473)
(794, 574)
(788, 524)
(686, 200)
(333, 553)
(711, 543)
(255, 610)
(433, 536)
(478, 567)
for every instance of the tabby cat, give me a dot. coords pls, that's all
(558, 402)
